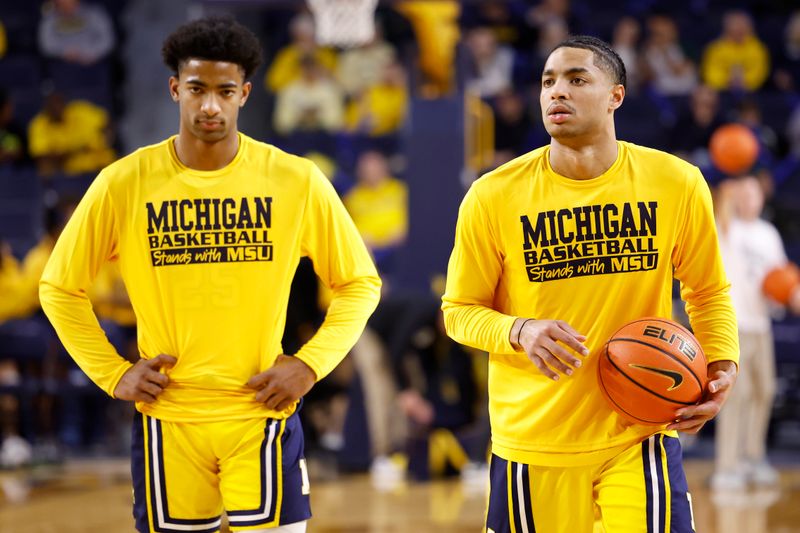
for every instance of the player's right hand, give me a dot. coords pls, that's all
(540, 340)
(143, 382)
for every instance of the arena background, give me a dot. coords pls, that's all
(452, 93)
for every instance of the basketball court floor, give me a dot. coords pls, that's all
(94, 496)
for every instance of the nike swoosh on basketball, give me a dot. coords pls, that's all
(676, 377)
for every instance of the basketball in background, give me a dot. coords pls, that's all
(781, 282)
(650, 368)
(733, 148)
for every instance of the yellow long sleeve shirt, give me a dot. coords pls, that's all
(208, 258)
(597, 254)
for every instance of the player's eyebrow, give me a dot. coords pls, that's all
(200, 83)
(569, 71)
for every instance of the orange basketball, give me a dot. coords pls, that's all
(650, 368)
(733, 148)
(781, 282)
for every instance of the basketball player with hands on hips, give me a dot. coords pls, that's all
(556, 250)
(208, 227)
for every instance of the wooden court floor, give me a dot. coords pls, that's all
(94, 497)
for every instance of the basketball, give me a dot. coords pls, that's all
(781, 282)
(733, 148)
(650, 368)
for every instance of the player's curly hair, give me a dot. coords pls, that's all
(605, 57)
(213, 39)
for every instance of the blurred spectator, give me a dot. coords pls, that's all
(32, 267)
(311, 103)
(694, 127)
(378, 204)
(362, 67)
(9, 282)
(409, 367)
(341, 180)
(547, 10)
(666, 67)
(793, 133)
(70, 137)
(26, 336)
(512, 126)
(436, 28)
(737, 60)
(787, 58)
(751, 247)
(493, 62)
(380, 109)
(75, 32)
(749, 114)
(551, 34)
(433, 372)
(13, 144)
(287, 67)
(30, 271)
(501, 17)
(3, 41)
(625, 43)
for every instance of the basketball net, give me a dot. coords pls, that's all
(344, 23)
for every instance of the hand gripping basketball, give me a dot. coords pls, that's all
(650, 368)
(540, 340)
(653, 371)
(692, 419)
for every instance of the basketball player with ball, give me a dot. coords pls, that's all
(556, 251)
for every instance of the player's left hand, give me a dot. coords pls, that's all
(692, 419)
(284, 383)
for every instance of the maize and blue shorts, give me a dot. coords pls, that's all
(642, 490)
(185, 474)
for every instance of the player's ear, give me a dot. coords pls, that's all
(616, 97)
(246, 87)
(173, 88)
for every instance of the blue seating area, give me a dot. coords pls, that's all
(21, 211)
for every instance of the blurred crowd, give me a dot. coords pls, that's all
(409, 399)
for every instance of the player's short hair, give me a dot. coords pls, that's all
(605, 57)
(213, 39)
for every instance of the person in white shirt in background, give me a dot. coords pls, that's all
(751, 247)
(75, 32)
(493, 62)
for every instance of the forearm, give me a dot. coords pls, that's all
(479, 326)
(347, 315)
(77, 327)
(714, 323)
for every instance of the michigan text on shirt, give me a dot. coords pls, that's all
(209, 230)
(590, 240)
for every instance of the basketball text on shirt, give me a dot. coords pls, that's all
(590, 240)
(209, 230)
